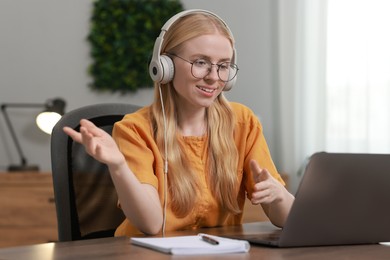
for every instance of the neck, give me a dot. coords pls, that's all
(193, 124)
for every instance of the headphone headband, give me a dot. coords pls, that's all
(173, 19)
(161, 68)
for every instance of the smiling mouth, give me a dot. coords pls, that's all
(206, 89)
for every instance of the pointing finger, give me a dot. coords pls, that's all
(259, 174)
(256, 170)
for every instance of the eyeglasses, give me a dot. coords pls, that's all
(200, 68)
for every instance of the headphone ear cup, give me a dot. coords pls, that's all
(230, 84)
(162, 70)
(155, 70)
(168, 69)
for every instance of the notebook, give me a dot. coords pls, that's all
(201, 244)
(343, 199)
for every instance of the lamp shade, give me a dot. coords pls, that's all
(47, 120)
(54, 110)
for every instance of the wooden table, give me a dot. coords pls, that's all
(120, 248)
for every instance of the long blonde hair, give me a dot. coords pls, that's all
(223, 155)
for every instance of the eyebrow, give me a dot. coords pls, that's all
(202, 56)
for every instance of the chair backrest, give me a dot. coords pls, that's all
(85, 197)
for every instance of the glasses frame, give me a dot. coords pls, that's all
(215, 64)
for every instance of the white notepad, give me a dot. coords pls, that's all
(192, 245)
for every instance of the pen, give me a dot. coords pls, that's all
(209, 240)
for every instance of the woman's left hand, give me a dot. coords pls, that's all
(271, 194)
(266, 189)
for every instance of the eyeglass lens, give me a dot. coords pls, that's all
(226, 70)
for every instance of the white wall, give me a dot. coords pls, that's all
(44, 54)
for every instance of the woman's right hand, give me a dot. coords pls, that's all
(97, 142)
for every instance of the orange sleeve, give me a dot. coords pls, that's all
(251, 144)
(134, 138)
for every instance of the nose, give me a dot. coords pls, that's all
(213, 73)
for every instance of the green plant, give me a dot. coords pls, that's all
(121, 37)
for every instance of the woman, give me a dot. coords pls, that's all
(190, 158)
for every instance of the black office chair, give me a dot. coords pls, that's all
(85, 197)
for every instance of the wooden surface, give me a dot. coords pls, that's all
(120, 248)
(27, 209)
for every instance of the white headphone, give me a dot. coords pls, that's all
(161, 68)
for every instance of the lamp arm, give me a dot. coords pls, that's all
(11, 129)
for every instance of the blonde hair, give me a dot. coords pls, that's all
(220, 121)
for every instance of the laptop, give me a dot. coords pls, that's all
(343, 199)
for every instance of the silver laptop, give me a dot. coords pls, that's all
(343, 199)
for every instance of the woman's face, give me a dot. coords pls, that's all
(193, 92)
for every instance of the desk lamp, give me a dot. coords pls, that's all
(53, 110)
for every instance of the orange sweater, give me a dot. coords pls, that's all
(134, 137)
